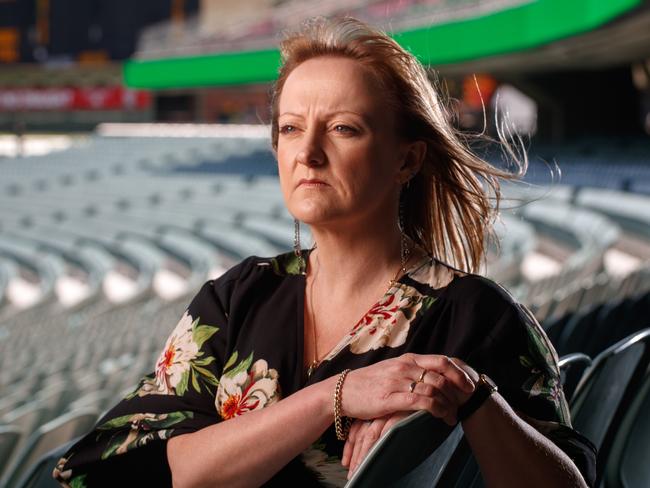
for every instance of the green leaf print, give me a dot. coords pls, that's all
(204, 361)
(292, 265)
(287, 264)
(243, 366)
(195, 383)
(202, 333)
(526, 362)
(426, 304)
(181, 387)
(149, 419)
(231, 361)
(116, 442)
(116, 423)
(206, 375)
(78, 482)
(143, 428)
(410, 308)
(544, 379)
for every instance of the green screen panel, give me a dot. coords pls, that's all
(516, 29)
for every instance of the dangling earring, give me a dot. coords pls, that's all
(296, 246)
(404, 249)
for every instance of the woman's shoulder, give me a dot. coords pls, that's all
(252, 267)
(455, 284)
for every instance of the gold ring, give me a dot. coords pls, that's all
(421, 378)
(412, 387)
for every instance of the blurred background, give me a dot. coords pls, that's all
(135, 164)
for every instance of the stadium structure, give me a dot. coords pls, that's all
(104, 240)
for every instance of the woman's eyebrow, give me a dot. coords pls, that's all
(329, 114)
(289, 113)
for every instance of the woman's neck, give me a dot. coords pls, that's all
(349, 261)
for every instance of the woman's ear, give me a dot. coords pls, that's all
(412, 160)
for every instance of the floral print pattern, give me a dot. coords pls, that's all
(246, 387)
(64, 476)
(203, 377)
(543, 378)
(387, 323)
(181, 363)
(131, 431)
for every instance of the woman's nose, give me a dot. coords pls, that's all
(311, 153)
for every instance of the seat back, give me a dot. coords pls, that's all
(40, 474)
(572, 369)
(47, 437)
(9, 437)
(607, 389)
(628, 463)
(407, 456)
(26, 417)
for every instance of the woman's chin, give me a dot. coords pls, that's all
(314, 215)
(312, 210)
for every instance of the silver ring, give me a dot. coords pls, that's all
(412, 387)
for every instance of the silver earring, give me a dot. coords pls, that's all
(404, 249)
(296, 245)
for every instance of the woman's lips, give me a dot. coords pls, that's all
(313, 183)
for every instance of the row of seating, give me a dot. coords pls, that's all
(144, 219)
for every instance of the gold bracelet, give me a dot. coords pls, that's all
(341, 430)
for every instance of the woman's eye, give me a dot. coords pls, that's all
(287, 129)
(343, 128)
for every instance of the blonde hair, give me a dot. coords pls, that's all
(447, 204)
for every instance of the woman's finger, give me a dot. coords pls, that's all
(444, 366)
(348, 448)
(435, 384)
(392, 421)
(427, 382)
(372, 434)
(357, 444)
(467, 368)
(438, 405)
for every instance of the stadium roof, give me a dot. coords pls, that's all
(558, 32)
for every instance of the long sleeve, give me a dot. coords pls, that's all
(128, 445)
(519, 357)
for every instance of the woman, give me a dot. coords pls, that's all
(256, 382)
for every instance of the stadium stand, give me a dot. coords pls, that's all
(109, 239)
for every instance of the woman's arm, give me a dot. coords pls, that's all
(249, 449)
(510, 452)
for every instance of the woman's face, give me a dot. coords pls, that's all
(339, 157)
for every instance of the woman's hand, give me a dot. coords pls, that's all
(407, 383)
(363, 435)
(440, 385)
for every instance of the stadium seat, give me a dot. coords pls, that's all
(572, 369)
(597, 328)
(26, 417)
(404, 456)
(40, 473)
(47, 437)
(627, 464)
(9, 437)
(606, 388)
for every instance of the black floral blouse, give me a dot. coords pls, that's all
(239, 347)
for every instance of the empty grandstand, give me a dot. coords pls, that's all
(106, 236)
(103, 244)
